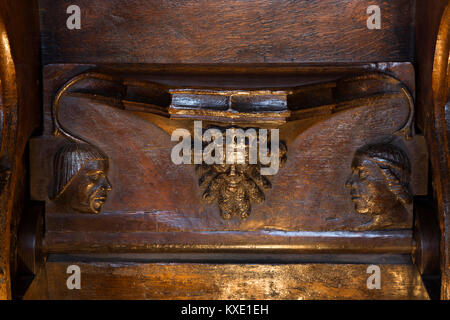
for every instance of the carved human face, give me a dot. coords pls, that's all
(89, 188)
(232, 173)
(232, 196)
(368, 188)
(233, 187)
(236, 186)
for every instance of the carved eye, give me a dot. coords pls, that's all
(94, 177)
(363, 174)
(221, 167)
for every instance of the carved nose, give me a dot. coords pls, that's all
(106, 185)
(349, 182)
(233, 170)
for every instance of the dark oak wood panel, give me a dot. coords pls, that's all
(123, 31)
(233, 281)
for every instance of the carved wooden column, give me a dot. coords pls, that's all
(8, 130)
(433, 43)
(19, 116)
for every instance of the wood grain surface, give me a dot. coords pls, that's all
(103, 280)
(123, 31)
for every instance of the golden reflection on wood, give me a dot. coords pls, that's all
(234, 281)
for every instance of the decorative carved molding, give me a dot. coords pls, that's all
(437, 121)
(8, 132)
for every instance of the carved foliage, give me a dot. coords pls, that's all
(235, 186)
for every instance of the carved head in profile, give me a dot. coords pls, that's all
(80, 177)
(379, 184)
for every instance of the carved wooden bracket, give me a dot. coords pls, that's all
(271, 107)
(141, 108)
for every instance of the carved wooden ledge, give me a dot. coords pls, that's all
(244, 106)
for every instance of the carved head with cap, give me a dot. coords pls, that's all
(380, 179)
(80, 177)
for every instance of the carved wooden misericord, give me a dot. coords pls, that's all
(349, 164)
(349, 161)
(358, 157)
(366, 159)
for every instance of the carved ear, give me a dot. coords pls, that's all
(395, 185)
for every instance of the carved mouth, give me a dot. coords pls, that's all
(233, 183)
(97, 203)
